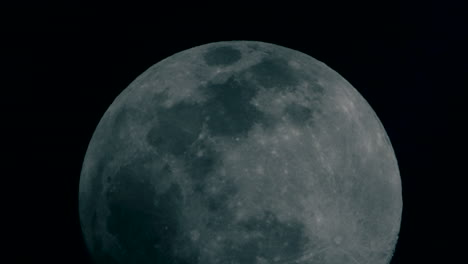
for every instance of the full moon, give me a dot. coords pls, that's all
(240, 152)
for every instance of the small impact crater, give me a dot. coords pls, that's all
(222, 56)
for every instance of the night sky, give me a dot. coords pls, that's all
(65, 64)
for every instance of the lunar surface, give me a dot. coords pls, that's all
(240, 152)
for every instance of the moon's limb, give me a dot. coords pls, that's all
(262, 154)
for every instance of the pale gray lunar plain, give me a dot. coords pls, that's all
(240, 152)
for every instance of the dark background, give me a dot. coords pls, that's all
(66, 62)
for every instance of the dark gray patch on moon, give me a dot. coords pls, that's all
(222, 56)
(146, 224)
(274, 72)
(99, 254)
(101, 175)
(229, 109)
(217, 205)
(176, 128)
(126, 115)
(200, 166)
(201, 162)
(270, 241)
(297, 113)
(218, 202)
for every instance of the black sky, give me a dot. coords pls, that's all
(65, 63)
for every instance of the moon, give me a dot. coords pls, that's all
(240, 152)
